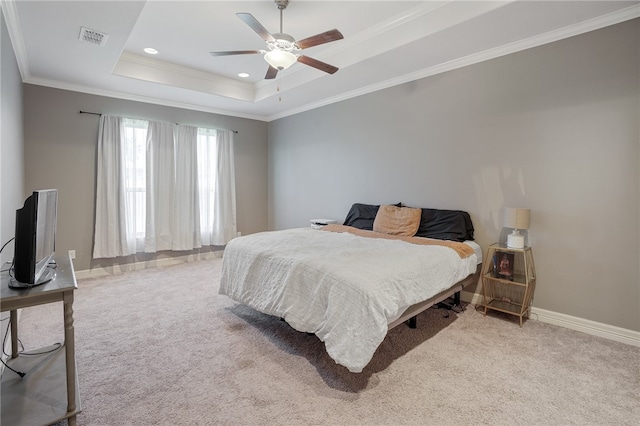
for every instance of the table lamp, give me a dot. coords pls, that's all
(517, 219)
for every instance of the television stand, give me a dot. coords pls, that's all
(44, 395)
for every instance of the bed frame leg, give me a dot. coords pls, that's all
(456, 298)
(450, 305)
(412, 322)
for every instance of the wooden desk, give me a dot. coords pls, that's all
(44, 395)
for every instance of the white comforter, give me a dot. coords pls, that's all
(344, 288)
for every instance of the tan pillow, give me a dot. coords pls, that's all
(397, 220)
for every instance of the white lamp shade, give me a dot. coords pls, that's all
(516, 218)
(280, 59)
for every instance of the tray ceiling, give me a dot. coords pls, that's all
(385, 43)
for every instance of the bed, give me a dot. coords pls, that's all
(349, 284)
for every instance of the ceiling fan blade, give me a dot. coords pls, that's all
(271, 73)
(317, 64)
(325, 37)
(237, 52)
(256, 26)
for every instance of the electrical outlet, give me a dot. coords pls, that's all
(72, 254)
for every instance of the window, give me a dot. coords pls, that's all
(134, 144)
(135, 141)
(162, 186)
(207, 164)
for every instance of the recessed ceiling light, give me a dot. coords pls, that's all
(243, 75)
(151, 51)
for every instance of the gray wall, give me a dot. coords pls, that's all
(11, 137)
(554, 129)
(60, 152)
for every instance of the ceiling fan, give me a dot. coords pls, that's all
(282, 49)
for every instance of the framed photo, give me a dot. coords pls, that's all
(503, 265)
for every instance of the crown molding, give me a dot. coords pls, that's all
(603, 21)
(138, 98)
(15, 34)
(152, 70)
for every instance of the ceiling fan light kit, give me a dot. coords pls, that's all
(280, 59)
(283, 49)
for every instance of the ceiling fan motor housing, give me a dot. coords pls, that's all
(283, 42)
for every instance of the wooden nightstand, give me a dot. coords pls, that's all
(508, 280)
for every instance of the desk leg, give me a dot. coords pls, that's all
(13, 317)
(70, 352)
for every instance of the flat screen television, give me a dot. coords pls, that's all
(35, 239)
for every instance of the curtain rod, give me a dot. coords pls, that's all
(97, 113)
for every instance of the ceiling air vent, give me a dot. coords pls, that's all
(92, 36)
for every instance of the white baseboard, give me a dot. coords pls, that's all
(594, 328)
(611, 332)
(118, 269)
(473, 298)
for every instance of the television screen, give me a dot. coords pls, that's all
(35, 239)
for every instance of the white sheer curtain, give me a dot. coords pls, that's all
(160, 186)
(224, 221)
(216, 180)
(186, 218)
(110, 233)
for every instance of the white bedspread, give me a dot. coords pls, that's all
(344, 288)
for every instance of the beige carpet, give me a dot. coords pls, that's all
(161, 347)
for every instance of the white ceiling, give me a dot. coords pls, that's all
(385, 43)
